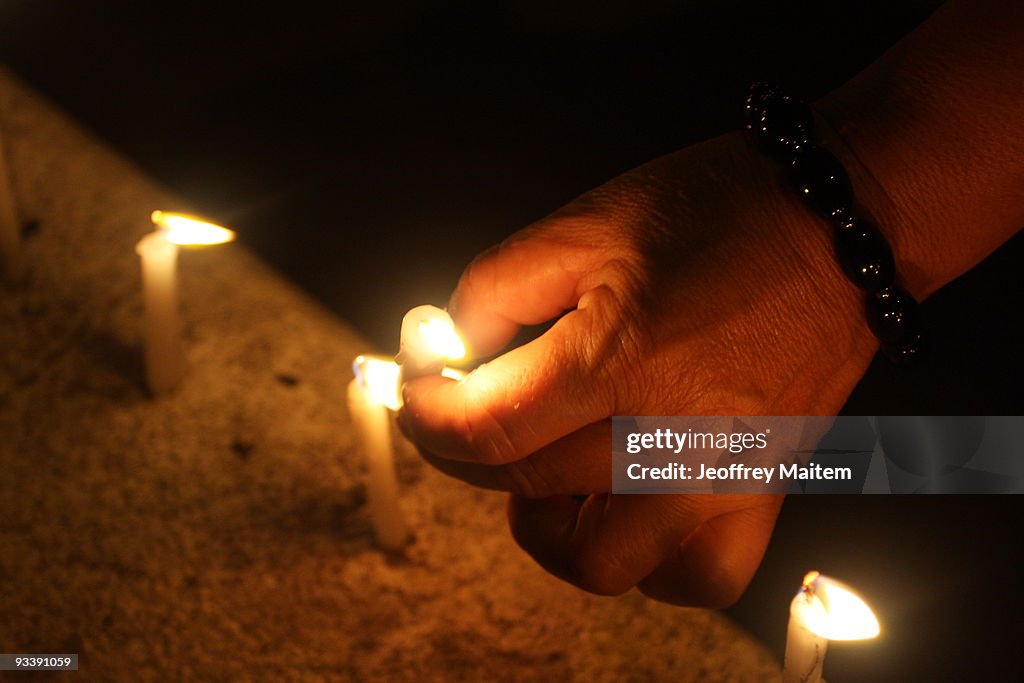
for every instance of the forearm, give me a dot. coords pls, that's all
(937, 122)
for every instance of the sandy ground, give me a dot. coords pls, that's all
(221, 533)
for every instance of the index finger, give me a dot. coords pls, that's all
(528, 279)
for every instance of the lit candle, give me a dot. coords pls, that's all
(164, 353)
(10, 228)
(823, 610)
(372, 395)
(428, 341)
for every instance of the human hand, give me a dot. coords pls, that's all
(696, 285)
(693, 285)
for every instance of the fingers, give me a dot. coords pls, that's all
(715, 564)
(575, 464)
(608, 544)
(528, 279)
(520, 402)
(612, 543)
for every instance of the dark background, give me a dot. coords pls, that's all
(370, 152)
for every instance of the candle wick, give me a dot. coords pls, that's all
(810, 580)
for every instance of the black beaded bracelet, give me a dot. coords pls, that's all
(784, 127)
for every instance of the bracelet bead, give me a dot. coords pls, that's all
(864, 255)
(784, 124)
(821, 181)
(757, 98)
(893, 315)
(906, 352)
(784, 127)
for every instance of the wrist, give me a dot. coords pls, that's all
(788, 130)
(882, 193)
(934, 124)
(815, 295)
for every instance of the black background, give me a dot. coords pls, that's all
(369, 152)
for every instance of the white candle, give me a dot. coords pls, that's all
(10, 228)
(164, 353)
(823, 610)
(372, 395)
(428, 341)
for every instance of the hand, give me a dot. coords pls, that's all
(694, 285)
(697, 284)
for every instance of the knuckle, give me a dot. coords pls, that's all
(615, 348)
(526, 479)
(472, 276)
(601, 321)
(721, 588)
(596, 571)
(715, 589)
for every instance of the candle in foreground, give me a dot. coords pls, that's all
(163, 351)
(428, 341)
(823, 610)
(10, 228)
(372, 395)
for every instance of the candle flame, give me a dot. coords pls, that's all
(379, 377)
(441, 338)
(833, 611)
(184, 230)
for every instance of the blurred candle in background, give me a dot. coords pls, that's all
(158, 251)
(823, 610)
(428, 341)
(372, 395)
(10, 228)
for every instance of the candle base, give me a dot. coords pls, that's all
(165, 368)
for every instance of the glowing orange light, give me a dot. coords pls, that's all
(184, 230)
(441, 338)
(379, 377)
(833, 611)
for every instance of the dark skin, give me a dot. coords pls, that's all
(698, 284)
